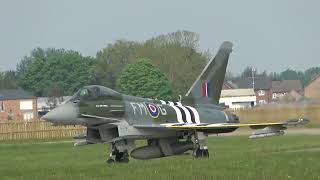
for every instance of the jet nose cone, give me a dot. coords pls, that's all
(63, 114)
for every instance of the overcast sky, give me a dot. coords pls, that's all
(271, 34)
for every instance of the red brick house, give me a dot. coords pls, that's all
(312, 90)
(281, 88)
(17, 105)
(292, 96)
(261, 85)
(229, 85)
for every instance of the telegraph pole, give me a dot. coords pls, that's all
(253, 70)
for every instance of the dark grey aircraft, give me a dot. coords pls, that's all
(170, 128)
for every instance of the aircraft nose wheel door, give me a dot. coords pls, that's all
(200, 150)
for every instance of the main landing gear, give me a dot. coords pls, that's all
(120, 157)
(200, 150)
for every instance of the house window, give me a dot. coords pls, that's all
(27, 116)
(262, 101)
(274, 96)
(261, 93)
(26, 105)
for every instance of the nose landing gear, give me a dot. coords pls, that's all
(120, 157)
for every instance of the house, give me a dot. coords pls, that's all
(281, 88)
(292, 96)
(18, 105)
(229, 85)
(261, 85)
(238, 98)
(312, 90)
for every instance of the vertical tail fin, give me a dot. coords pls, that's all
(209, 83)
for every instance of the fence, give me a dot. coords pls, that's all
(276, 113)
(36, 130)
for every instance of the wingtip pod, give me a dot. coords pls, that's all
(278, 130)
(301, 121)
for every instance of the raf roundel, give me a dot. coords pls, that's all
(153, 109)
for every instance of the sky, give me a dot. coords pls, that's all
(271, 35)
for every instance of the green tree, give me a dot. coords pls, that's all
(275, 76)
(309, 74)
(289, 74)
(264, 73)
(42, 68)
(111, 61)
(8, 80)
(145, 80)
(26, 61)
(247, 72)
(184, 38)
(176, 55)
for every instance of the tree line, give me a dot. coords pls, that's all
(54, 72)
(304, 76)
(161, 67)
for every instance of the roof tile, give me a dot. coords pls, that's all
(15, 94)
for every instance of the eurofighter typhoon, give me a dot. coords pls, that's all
(169, 128)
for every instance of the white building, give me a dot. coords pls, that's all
(238, 98)
(44, 104)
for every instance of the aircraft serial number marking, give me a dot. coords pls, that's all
(142, 108)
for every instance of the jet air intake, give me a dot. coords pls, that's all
(154, 151)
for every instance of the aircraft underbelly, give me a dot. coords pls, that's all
(132, 132)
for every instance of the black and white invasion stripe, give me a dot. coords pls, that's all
(185, 114)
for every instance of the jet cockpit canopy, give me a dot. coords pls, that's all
(95, 91)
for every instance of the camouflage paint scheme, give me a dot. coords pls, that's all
(170, 128)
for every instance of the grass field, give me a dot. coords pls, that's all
(286, 157)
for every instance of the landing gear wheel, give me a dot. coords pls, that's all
(122, 157)
(201, 153)
(110, 161)
(205, 153)
(119, 156)
(197, 153)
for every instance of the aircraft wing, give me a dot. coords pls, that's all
(236, 125)
(263, 129)
(221, 125)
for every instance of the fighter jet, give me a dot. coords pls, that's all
(168, 128)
